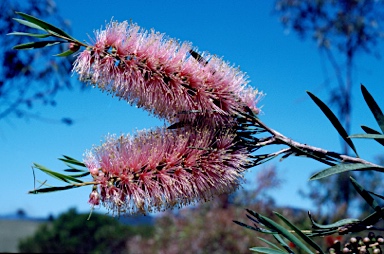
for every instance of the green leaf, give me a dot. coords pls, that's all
(333, 119)
(74, 167)
(260, 159)
(57, 175)
(29, 24)
(269, 243)
(35, 45)
(50, 172)
(373, 218)
(254, 228)
(371, 136)
(369, 130)
(372, 131)
(352, 225)
(340, 168)
(246, 226)
(80, 175)
(52, 189)
(65, 53)
(267, 250)
(73, 161)
(74, 170)
(44, 25)
(275, 226)
(375, 109)
(29, 34)
(300, 233)
(334, 225)
(281, 241)
(377, 195)
(365, 194)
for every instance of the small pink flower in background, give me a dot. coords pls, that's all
(159, 169)
(163, 76)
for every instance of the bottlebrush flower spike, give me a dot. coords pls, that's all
(160, 169)
(163, 76)
(202, 154)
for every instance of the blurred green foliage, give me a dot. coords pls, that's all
(72, 232)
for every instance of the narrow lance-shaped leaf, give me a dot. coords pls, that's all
(261, 158)
(252, 219)
(57, 175)
(269, 243)
(73, 170)
(373, 218)
(29, 24)
(372, 131)
(340, 168)
(377, 195)
(246, 226)
(333, 119)
(367, 197)
(37, 44)
(281, 241)
(71, 160)
(275, 226)
(44, 25)
(275, 248)
(52, 189)
(300, 233)
(262, 230)
(369, 136)
(267, 250)
(337, 224)
(375, 109)
(50, 172)
(80, 175)
(30, 34)
(65, 53)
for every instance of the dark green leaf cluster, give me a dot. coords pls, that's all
(294, 235)
(73, 180)
(50, 31)
(339, 164)
(71, 232)
(370, 134)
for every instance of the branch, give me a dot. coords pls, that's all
(327, 157)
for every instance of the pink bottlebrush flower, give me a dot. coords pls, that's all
(163, 168)
(163, 76)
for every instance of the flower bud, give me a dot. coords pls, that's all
(74, 47)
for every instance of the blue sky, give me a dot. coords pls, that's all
(243, 33)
